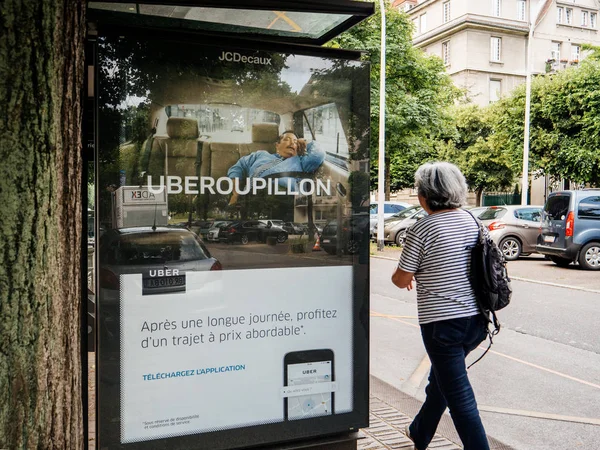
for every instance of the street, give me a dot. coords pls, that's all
(539, 386)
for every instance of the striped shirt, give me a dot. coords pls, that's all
(437, 252)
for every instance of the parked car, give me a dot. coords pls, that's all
(389, 209)
(251, 230)
(295, 228)
(273, 222)
(514, 228)
(396, 226)
(477, 210)
(353, 234)
(141, 249)
(570, 229)
(201, 227)
(213, 232)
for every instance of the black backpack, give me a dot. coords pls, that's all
(489, 279)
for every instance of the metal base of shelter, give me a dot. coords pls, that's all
(347, 441)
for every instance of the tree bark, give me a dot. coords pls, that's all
(41, 73)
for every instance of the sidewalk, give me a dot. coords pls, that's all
(391, 410)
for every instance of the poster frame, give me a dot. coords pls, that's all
(298, 430)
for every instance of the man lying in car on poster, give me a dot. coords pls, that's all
(292, 155)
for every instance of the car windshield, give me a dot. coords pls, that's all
(155, 248)
(407, 212)
(492, 213)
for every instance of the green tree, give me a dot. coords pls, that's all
(41, 79)
(473, 148)
(417, 91)
(565, 129)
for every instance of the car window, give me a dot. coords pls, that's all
(557, 207)
(531, 214)
(492, 213)
(589, 208)
(156, 248)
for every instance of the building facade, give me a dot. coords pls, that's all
(484, 42)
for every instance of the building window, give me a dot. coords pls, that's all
(496, 49)
(423, 20)
(555, 51)
(495, 90)
(521, 8)
(560, 14)
(585, 18)
(593, 20)
(569, 16)
(575, 52)
(446, 9)
(446, 52)
(496, 8)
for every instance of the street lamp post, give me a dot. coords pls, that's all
(528, 69)
(381, 168)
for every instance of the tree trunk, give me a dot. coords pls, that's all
(41, 73)
(479, 196)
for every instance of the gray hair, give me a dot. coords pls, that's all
(442, 185)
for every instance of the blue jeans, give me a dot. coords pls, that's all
(448, 342)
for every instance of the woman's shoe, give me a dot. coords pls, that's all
(407, 433)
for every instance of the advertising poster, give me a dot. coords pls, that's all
(233, 250)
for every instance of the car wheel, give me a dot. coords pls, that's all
(511, 248)
(560, 262)
(589, 257)
(244, 239)
(401, 238)
(330, 250)
(281, 238)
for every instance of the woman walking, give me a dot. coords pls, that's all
(437, 255)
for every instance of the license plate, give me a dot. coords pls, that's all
(161, 282)
(549, 239)
(326, 241)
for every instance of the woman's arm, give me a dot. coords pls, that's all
(403, 279)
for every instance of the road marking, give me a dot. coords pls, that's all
(548, 283)
(512, 358)
(539, 415)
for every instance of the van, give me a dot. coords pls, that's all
(570, 228)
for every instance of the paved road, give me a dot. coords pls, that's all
(539, 387)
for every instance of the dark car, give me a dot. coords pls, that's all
(251, 230)
(353, 233)
(570, 229)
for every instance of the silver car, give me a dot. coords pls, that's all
(515, 228)
(213, 232)
(395, 227)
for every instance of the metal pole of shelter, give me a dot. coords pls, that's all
(381, 168)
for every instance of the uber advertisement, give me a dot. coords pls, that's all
(233, 250)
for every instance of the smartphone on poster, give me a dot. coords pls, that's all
(309, 380)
